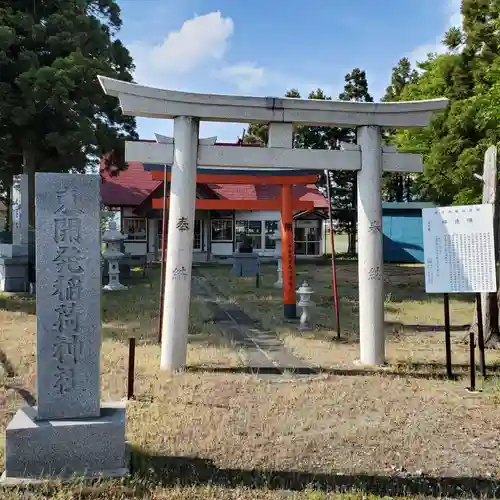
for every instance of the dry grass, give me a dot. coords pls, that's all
(414, 320)
(209, 433)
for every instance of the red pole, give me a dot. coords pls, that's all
(332, 242)
(288, 253)
(163, 245)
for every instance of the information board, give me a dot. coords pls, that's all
(459, 249)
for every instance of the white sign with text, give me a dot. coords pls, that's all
(459, 249)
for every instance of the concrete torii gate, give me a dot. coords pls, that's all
(186, 152)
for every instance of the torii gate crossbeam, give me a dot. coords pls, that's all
(187, 109)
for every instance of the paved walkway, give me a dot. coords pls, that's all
(261, 350)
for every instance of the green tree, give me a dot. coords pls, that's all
(53, 114)
(402, 75)
(344, 186)
(356, 87)
(455, 142)
(395, 186)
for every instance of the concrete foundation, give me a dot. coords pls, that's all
(44, 449)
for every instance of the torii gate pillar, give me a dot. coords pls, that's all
(281, 136)
(177, 284)
(370, 248)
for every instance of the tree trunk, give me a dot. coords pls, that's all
(489, 301)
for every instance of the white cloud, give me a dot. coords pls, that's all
(246, 76)
(453, 17)
(200, 40)
(197, 49)
(195, 58)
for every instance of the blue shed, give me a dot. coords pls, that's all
(403, 231)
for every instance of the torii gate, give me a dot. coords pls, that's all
(146, 151)
(186, 152)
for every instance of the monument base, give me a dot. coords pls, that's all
(14, 276)
(37, 450)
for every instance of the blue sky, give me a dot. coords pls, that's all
(265, 47)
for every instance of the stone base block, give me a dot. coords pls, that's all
(14, 274)
(44, 449)
(9, 251)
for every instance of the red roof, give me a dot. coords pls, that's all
(267, 192)
(130, 187)
(133, 186)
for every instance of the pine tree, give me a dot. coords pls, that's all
(342, 183)
(455, 142)
(53, 114)
(344, 187)
(398, 187)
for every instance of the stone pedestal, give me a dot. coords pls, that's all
(65, 448)
(14, 274)
(69, 433)
(14, 268)
(245, 265)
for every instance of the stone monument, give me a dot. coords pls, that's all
(14, 258)
(69, 432)
(112, 255)
(246, 262)
(20, 210)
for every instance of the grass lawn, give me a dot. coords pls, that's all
(214, 432)
(414, 319)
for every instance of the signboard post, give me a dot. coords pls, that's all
(459, 250)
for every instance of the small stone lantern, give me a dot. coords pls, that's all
(305, 292)
(276, 237)
(113, 238)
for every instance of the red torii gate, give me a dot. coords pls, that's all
(285, 203)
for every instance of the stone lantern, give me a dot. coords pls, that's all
(276, 237)
(305, 292)
(112, 254)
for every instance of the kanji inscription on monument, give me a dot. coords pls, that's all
(459, 249)
(68, 296)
